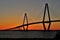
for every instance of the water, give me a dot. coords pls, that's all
(27, 34)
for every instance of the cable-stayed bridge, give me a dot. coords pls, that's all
(31, 34)
(43, 22)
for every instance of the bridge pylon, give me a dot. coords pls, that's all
(46, 8)
(25, 18)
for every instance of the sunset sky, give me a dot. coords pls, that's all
(12, 13)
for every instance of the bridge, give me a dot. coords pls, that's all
(31, 34)
(43, 22)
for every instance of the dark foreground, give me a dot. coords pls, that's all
(30, 34)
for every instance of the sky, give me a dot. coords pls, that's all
(12, 13)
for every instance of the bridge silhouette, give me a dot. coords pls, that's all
(43, 22)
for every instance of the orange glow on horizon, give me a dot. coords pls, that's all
(33, 27)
